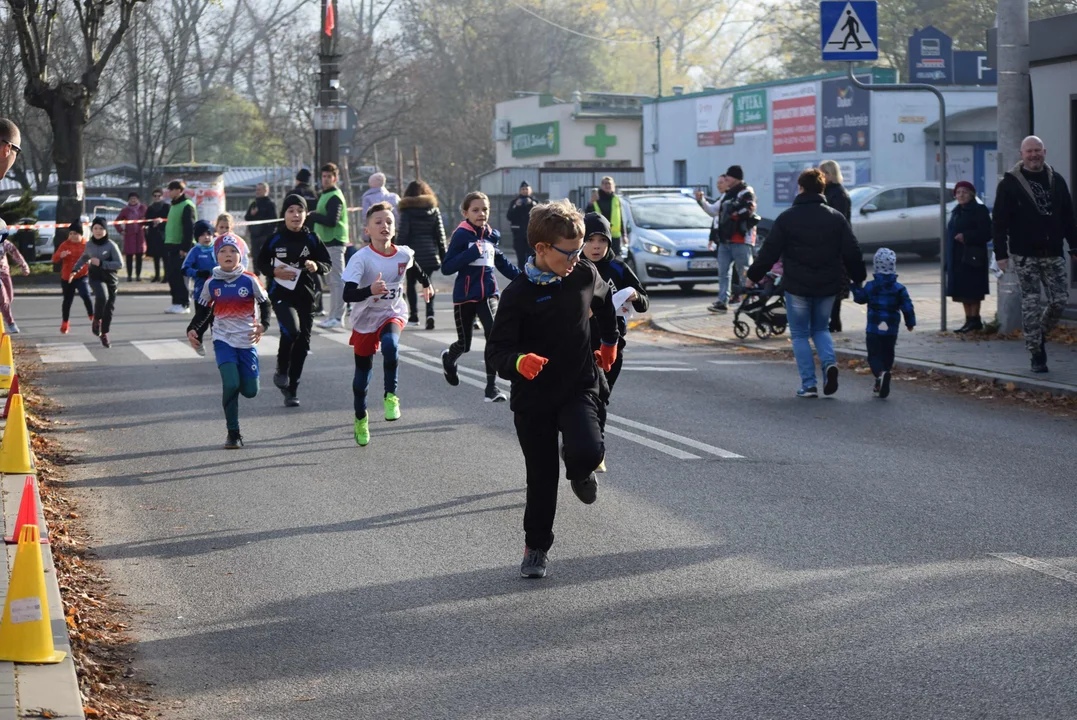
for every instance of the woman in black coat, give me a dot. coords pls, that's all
(837, 197)
(421, 229)
(967, 236)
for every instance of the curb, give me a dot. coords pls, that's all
(1019, 381)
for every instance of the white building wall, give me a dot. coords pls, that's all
(526, 111)
(1053, 86)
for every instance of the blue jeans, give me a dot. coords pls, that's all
(809, 318)
(729, 253)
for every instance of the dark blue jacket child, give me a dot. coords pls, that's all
(887, 301)
(200, 259)
(474, 267)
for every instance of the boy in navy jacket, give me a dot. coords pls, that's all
(887, 301)
(473, 254)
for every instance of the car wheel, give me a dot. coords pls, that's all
(687, 287)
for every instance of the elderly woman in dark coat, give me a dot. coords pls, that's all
(837, 197)
(967, 236)
(422, 230)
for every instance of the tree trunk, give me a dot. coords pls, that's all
(67, 115)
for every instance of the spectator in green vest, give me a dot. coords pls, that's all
(609, 205)
(179, 238)
(330, 221)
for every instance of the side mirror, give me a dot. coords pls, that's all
(869, 209)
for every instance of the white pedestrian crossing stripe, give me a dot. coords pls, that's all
(170, 349)
(64, 353)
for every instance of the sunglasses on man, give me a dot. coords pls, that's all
(14, 148)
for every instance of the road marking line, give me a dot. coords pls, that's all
(654, 444)
(166, 349)
(268, 345)
(1038, 566)
(656, 368)
(749, 362)
(64, 353)
(478, 340)
(689, 442)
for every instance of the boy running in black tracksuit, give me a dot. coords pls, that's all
(292, 260)
(541, 342)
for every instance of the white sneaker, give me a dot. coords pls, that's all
(12, 329)
(201, 349)
(174, 309)
(330, 323)
(185, 310)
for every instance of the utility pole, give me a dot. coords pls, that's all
(658, 49)
(1014, 123)
(327, 127)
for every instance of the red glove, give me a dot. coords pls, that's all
(530, 365)
(606, 356)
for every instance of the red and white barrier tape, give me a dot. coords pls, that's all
(53, 225)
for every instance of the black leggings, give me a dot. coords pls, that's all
(296, 321)
(465, 314)
(413, 297)
(157, 262)
(104, 302)
(82, 287)
(881, 353)
(137, 261)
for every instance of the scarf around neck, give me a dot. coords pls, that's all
(540, 277)
(219, 274)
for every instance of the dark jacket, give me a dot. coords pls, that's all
(422, 230)
(837, 197)
(306, 191)
(519, 213)
(294, 248)
(261, 209)
(1019, 225)
(814, 242)
(973, 222)
(475, 279)
(552, 321)
(887, 300)
(618, 276)
(155, 234)
(736, 215)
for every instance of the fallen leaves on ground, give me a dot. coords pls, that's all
(1062, 335)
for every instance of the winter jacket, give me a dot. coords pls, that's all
(618, 276)
(111, 261)
(305, 191)
(887, 300)
(973, 223)
(1025, 224)
(8, 248)
(605, 206)
(737, 208)
(813, 241)
(134, 234)
(519, 213)
(67, 255)
(294, 248)
(473, 255)
(377, 195)
(838, 198)
(422, 230)
(155, 234)
(259, 210)
(199, 265)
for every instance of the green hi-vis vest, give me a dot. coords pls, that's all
(332, 235)
(615, 216)
(174, 226)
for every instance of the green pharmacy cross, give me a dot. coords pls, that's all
(600, 140)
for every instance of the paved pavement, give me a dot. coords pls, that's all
(751, 554)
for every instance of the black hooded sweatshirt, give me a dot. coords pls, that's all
(618, 276)
(294, 248)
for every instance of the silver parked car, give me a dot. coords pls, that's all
(902, 216)
(667, 239)
(107, 207)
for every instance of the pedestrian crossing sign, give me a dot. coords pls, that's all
(850, 30)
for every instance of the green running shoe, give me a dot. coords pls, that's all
(392, 407)
(362, 430)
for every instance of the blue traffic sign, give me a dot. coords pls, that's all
(849, 30)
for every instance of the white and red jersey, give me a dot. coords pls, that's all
(363, 269)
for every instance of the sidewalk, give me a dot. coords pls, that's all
(997, 360)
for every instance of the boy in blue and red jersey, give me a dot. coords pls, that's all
(229, 299)
(473, 254)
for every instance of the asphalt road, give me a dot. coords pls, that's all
(845, 565)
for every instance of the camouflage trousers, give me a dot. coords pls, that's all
(1033, 273)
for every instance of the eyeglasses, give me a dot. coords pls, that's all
(15, 148)
(569, 254)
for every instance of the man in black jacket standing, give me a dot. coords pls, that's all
(260, 210)
(1033, 215)
(519, 212)
(814, 243)
(155, 233)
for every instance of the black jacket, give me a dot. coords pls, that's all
(305, 191)
(267, 210)
(519, 213)
(422, 230)
(552, 321)
(618, 276)
(155, 234)
(294, 248)
(814, 243)
(837, 197)
(1018, 225)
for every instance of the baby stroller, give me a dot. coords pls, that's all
(765, 305)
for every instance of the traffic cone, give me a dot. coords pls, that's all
(27, 512)
(3, 327)
(13, 391)
(26, 629)
(7, 362)
(15, 454)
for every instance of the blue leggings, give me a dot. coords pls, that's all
(364, 368)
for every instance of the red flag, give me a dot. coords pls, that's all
(330, 18)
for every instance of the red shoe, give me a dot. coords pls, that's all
(90, 316)
(64, 327)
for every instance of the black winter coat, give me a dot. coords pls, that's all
(815, 244)
(973, 223)
(155, 234)
(422, 230)
(837, 197)
(1020, 229)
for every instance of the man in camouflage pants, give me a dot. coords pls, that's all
(1033, 215)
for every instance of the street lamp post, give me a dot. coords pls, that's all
(328, 134)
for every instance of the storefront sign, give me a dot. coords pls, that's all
(931, 57)
(785, 179)
(750, 111)
(793, 112)
(714, 120)
(846, 116)
(532, 140)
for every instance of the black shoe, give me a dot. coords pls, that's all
(95, 328)
(878, 386)
(884, 385)
(534, 564)
(964, 328)
(976, 324)
(234, 441)
(830, 385)
(1039, 362)
(413, 321)
(835, 327)
(290, 400)
(586, 490)
(450, 369)
(718, 307)
(280, 380)
(430, 323)
(494, 395)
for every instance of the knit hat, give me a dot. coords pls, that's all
(75, 227)
(303, 175)
(965, 184)
(228, 239)
(885, 262)
(293, 200)
(735, 171)
(596, 224)
(524, 184)
(99, 221)
(201, 227)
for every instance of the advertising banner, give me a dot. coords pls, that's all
(793, 117)
(846, 116)
(785, 179)
(931, 57)
(750, 111)
(714, 120)
(532, 140)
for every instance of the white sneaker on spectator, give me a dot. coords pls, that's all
(330, 323)
(174, 309)
(185, 310)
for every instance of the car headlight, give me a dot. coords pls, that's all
(656, 249)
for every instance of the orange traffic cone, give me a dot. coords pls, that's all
(13, 391)
(15, 454)
(27, 512)
(25, 628)
(7, 362)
